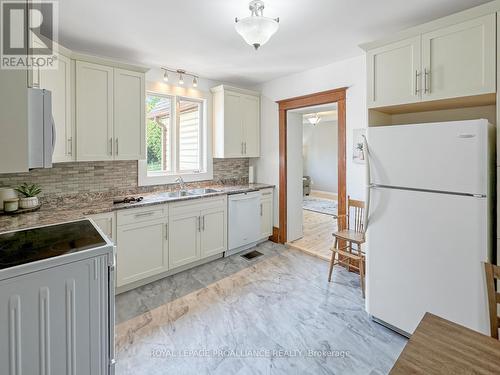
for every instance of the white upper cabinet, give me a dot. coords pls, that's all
(394, 73)
(94, 111)
(110, 113)
(59, 83)
(236, 122)
(460, 60)
(129, 112)
(251, 125)
(451, 60)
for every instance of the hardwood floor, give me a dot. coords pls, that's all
(275, 314)
(317, 240)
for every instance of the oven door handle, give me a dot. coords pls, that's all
(111, 312)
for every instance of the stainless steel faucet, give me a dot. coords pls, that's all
(181, 183)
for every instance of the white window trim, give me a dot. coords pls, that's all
(206, 150)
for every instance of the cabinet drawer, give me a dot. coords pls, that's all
(180, 208)
(266, 193)
(130, 216)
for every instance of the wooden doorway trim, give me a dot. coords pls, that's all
(332, 96)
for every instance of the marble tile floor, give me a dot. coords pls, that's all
(275, 314)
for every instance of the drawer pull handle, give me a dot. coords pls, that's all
(144, 214)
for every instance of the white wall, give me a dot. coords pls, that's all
(349, 73)
(320, 151)
(294, 177)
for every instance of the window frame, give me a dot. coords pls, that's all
(206, 159)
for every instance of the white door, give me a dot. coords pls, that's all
(233, 125)
(448, 156)
(424, 254)
(94, 111)
(213, 232)
(394, 73)
(460, 60)
(58, 81)
(251, 125)
(184, 238)
(142, 251)
(266, 217)
(294, 176)
(129, 115)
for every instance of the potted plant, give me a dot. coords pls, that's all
(361, 152)
(29, 194)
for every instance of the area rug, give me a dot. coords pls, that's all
(323, 206)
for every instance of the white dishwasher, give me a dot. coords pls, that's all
(243, 221)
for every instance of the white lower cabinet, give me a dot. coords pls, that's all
(266, 212)
(142, 244)
(106, 223)
(184, 238)
(197, 230)
(213, 231)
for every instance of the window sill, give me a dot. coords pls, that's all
(164, 179)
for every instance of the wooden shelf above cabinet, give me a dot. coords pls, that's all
(437, 105)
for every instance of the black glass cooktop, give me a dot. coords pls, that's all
(30, 245)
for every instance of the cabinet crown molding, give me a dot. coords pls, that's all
(222, 88)
(468, 14)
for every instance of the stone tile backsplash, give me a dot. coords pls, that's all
(111, 177)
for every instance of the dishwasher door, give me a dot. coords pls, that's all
(243, 219)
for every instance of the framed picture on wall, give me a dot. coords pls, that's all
(358, 152)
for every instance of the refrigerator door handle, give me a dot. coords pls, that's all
(368, 183)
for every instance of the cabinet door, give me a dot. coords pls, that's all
(129, 115)
(394, 73)
(184, 239)
(233, 125)
(251, 125)
(213, 232)
(58, 81)
(460, 60)
(266, 217)
(106, 223)
(94, 111)
(141, 251)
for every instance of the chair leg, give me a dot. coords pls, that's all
(332, 261)
(348, 265)
(362, 275)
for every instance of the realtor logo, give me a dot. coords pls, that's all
(28, 32)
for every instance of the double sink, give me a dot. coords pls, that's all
(187, 193)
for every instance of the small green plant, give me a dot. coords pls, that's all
(359, 146)
(29, 190)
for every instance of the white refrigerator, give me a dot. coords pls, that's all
(429, 222)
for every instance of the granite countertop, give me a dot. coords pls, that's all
(51, 214)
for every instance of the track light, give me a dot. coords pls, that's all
(181, 74)
(181, 78)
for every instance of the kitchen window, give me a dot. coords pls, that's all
(176, 140)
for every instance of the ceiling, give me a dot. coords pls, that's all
(199, 36)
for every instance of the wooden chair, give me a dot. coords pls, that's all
(350, 231)
(492, 274)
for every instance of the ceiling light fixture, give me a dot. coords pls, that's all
(181, 74)
(314, 120)
(181, 78)
(256, 29)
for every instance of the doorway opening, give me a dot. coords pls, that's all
(291, 187)
(313, 178)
